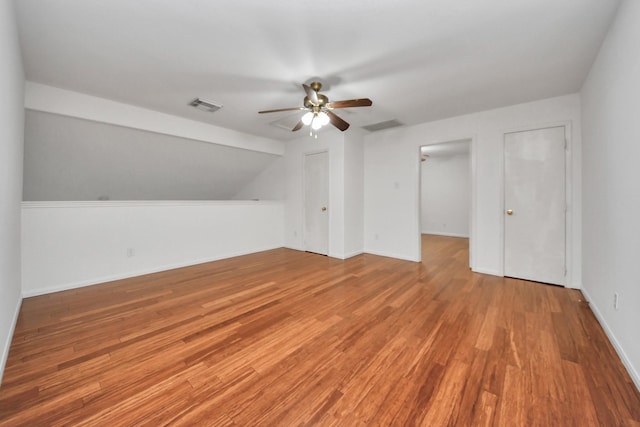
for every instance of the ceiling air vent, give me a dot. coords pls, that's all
(203, 105)
(383, 125)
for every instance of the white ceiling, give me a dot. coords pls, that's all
(418, 60)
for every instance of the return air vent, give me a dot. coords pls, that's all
(383, 125)
(203, 105)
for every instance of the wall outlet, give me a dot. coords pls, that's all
(130, 252)
(295, 233)
(616, 301)
(376, 236)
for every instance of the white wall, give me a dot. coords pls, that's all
(611, 177)
(392, 162)
(353, 192)
(11, 146)
(331, 141)
(268, 185)
(446, 195)
(11, 150)
(71, 244)
(346, 188)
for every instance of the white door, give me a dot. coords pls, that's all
(535, 201)
(316, 206)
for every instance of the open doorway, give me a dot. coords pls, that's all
(446, 199)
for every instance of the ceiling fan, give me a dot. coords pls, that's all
(319, 109)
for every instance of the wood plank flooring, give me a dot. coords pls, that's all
(286, 338)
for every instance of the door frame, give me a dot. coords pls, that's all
(473, 209)
(568, 193)
(304, 198)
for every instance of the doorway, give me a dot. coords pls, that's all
(535, 205)
(445, 194)
(316, 203)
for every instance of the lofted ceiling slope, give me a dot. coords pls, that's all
(418, 60)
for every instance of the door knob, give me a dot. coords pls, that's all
(509, 212)
(324, 208)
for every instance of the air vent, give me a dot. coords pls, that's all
(383, 125)
(203, 105)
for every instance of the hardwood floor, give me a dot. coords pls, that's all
(286, 338)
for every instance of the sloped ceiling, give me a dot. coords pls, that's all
(418, 60)
(73, 159)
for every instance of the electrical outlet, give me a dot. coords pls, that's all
(130, 252)
(616, 300)
(376, 236)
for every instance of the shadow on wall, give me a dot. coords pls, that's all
(73, 159)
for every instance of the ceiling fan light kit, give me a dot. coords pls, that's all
(318, 110)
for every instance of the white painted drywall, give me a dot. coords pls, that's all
(353, 192)
(391, 171)
(66, 158)
(446, 195)
(268, 185)
(11, 146)
(72, 244)
(49, 99)
(346, 190)
(611, 177)
(331, 141)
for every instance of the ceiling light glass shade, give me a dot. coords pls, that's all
(316, 123)
(324, 118)
(306, 119)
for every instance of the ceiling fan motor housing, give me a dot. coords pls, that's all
(318, 107)
(322, 101)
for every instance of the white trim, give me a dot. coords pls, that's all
(352, 254)
(392, 255)
(344, 256)
(635, 376)
(438, 233)
(487, 271)
(104, 279)
(137, 203)
(7, 344)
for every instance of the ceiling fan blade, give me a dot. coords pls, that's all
(311, 94)
(348, 103)
(337, 121)
(282, 109)
(298, 126)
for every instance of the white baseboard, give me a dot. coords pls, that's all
(633, 373)
(127, 275)
(352, 254)
(487, 271)
(392, 255)
(439, 233)
(7, 344)
(332, 255)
